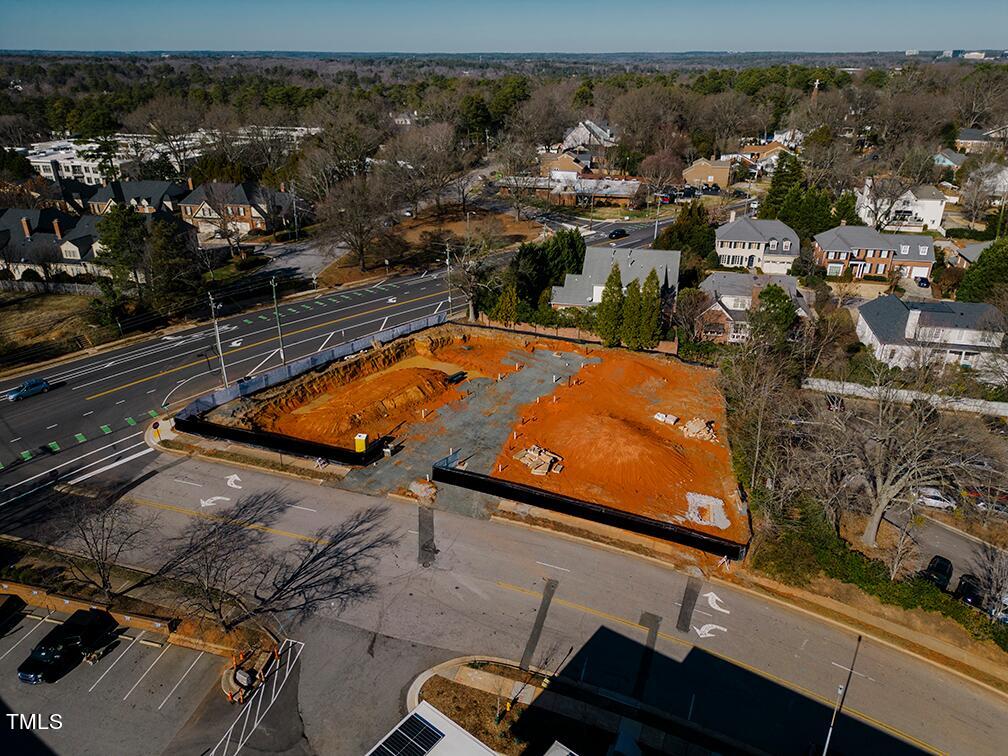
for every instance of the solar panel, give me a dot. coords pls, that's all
(414, 737)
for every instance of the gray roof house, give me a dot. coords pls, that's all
(585, 288)
(144, 196)
(907, 333)
(732, 297)
(866, 251)
(947, 158)
(963, 258)
(769, 245)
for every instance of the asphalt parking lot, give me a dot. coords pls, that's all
(132, 700)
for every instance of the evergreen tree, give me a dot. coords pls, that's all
(846, 210)
(773, 319)
(123, 235)
(650, 312)
(792, 208)
(787, 174)
(506, 309)
(171, 268)
(610, 310)
(630, 328)
(990, 270)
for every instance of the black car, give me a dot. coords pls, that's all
(969, 591)
(922, 282)
(618, 233)
(65, 645)
(938, 572)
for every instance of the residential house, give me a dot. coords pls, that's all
(980, 140)
(584, 289)
(734, 295)
(768, 245)
(708, 171)
(404, 118)
(920, 208)
(569, 164)
(67, 159)
(950, 159)
(142, 196)
(994, 180)
(562, 189)
(866, 252)
(589, 134)
(907, 333)
(790, 138)
(966, 256)
(245, 207)
(40, 244)
(763, 157)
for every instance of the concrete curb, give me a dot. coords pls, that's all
(957, 531)
(413, 693)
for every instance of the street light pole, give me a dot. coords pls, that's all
(657, 209)
(276, 313)
(220, 351)
(841, 695)
(836, 709)
(448, 263)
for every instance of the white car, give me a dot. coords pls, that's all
(932, 497)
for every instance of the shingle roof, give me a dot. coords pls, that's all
(845, 238)
(972, 251)
(887, 316)
(913, 243)
(748, 229)
(927, 192)
(972, 135)
(247, 193)
(956, 158)
(42, 245)
(577, 289)
(723, 283)
(127, 191)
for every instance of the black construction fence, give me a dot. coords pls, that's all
(446, 470)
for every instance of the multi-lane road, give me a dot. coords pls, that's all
(92, 419)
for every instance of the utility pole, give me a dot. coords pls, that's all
(220, 351)
(836, 709)
(657, 209)
(448, 263)
(294, 206)
(276, 314)
(841, 695)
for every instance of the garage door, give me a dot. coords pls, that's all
(919, 272)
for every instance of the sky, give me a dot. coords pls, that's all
(503, 26)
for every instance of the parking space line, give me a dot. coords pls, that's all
(33, 629)
(115, 662)
(163, 651)
(170, 692)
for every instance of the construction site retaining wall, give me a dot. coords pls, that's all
(446, 471)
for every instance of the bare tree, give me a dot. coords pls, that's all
(662, 169)
(882, 196)
(428, 160)
(690, 305)
(472, 272)
(904, 550)
(172, 122)
(976, 194)
(991, 568)
(94, 535)
(354, 213)
(517, 159)
(978, 95)
(223, 219)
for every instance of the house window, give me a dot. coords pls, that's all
(773, 244)
(922, 249)
(786, 245)
(904, 249)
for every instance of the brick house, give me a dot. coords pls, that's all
(244, 207)
(733, 296)
(708, 171)
(142, 196)
(867, 252)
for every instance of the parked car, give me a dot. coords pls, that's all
(939, 572)
(969, 591)
(922, 282)
(934, 498)
(65, 646)
(31, 387)
(618, 233)
(988, 499)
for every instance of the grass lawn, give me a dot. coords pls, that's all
(230, 269)
(27, 319)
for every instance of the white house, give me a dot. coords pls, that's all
(790, 138)
(768, 245)
(588, 134)
(919, 208)
(903, 333)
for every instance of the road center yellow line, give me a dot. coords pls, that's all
(724, 657)
(317, 326)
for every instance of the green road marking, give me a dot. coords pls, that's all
(334, 300)
(306, 306)
(26, 455)
(263, 317)
(291, 309)
(246, 321)
(81, 438)
(1, 465)
(130, 421)
(106, 429)
(54, 446)
(152, 413)
(356, 293)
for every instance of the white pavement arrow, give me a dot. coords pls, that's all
(706, 631)
(236, 343)
(715, 602)
(212, 501)
(233, 481)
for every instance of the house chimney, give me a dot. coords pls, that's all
(283, 186)
(56, 228)
(731, 218)
(913, 317)
(189, 183)
(26, 228)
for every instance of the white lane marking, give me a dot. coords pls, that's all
(715, 602)
(71, 461)
(848, 669)
(170, 692)
(325, 342)
(14, 440)
(266, 359)
(306, 509)
(707, 631)
(32, 630)
(50, 427)
(235, 343)
(212, 501)
(111, 465)
(383, 324)
(121, 401)
(152, 391)
(438, 307)
(89, 412)
(233, 481)
(164, 402)
(553, 566)
(188, 482)
(163, 651)
(116, 661)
